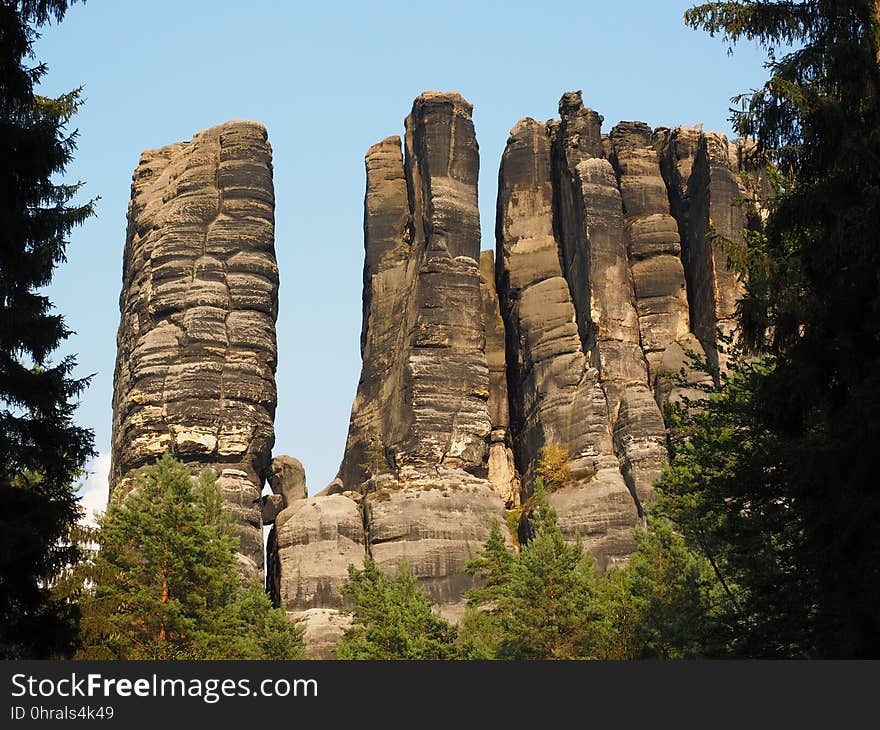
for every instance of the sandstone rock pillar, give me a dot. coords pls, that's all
(555, 395)
(195, 366)
(590, 225)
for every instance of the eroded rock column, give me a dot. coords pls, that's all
(416, 467)
(556, 397)
(196, 357)
(593, 242)
(654, 249)
(701, 170)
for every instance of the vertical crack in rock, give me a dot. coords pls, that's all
(196, 357)
(555, 394)
(502, 466)
(593, 241)
(446, 374)
(313, 542)
(654, 248)
(701, 171)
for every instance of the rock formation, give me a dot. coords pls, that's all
(416, 480)
(502, 466)
(707, 190)
(607, 272)
(555, 394)
(195, 367)
(471, 368)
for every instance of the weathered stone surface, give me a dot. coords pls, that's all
(323, 628)
(436, 525)
(241, 498)
(422, 397)
(659, 284)
(419, 437)
(555, 393)
(379, 407)
(196, 345)
(446, 367)
(288, 479)
(501, 466)
(600, 511)
(653, 242)
(315, 541)
(272, 505)
(594, 248)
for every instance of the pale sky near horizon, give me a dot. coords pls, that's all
(328, 80)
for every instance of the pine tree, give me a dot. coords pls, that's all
(661, 605)
(548, 605)
(806, 488)
(479, 630)
(164, 582)
(42, 450)
(392, 618)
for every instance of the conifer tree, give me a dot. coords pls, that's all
(661, 605)
(164, 582)
(548, 606)
(42, 450)
(392, 618)
(479, 630)
(803, 489)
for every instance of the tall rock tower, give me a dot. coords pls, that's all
(414, 482)
(608, 276)
(196, 357)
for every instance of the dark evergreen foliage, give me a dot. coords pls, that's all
(42, 450)
(392, 618)
(793, 511)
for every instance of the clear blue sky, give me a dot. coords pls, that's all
(328, 79)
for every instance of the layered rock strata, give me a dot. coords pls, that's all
(195, 367)
(607, 272)
(589, 224)
(415, 475)
(502, 464)
(654, 250)
(555, 391)
(471, 369)
(603, 300)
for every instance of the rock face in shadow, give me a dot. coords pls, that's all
(703, 174)
(502, 466)
(195, 367)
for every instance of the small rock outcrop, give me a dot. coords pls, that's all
(195, 366)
